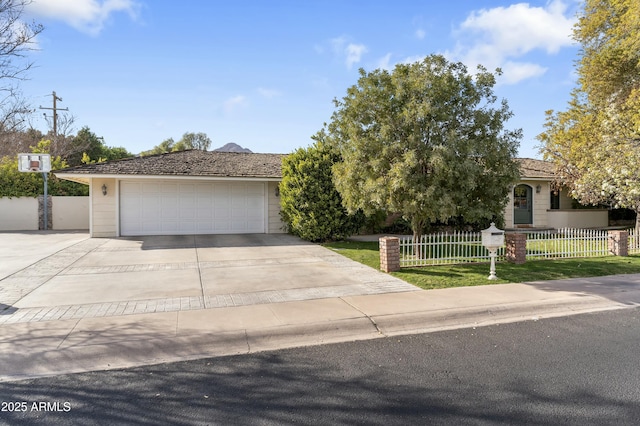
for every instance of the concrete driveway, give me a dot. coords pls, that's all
(104, 277)
(19, 250)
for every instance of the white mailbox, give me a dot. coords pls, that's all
(493, 239)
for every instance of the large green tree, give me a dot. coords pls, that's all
(595, 143)
(163, 147)
(311, 207)
(87, 145)
(189, 140)
(192, 140)
(426, 140)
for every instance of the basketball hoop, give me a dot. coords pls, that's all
(37, 163)
(34, 163)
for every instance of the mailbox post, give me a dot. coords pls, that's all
(493, 239)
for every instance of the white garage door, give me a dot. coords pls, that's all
(175, 208)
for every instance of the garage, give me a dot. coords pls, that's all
(183, 193)
(191, 207)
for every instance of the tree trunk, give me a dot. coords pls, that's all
(416, 227)
(417, 249)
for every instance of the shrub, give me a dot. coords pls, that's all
(311, 207)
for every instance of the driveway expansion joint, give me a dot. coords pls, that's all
(21, 283)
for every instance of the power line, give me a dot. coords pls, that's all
(55, 112)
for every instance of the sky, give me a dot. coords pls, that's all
(263, 74)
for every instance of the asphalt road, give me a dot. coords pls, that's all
(582, 370)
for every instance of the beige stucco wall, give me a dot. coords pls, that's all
(70, 212)
(508, 211)
(566, 202)
(103, 208)
(275, 224)
(19, 214)
(541, 203)
(578, 218)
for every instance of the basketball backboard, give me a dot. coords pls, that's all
(34, 163)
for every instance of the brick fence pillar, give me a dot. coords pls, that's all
(389, 254)
(516, 247)
(619, 243)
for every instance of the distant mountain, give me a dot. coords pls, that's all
(232, 147)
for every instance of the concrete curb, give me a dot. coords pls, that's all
(146, 351)
(449, 319)
(133, 353)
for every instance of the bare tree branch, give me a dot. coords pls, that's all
(17, 38)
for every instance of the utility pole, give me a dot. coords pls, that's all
(55, 112)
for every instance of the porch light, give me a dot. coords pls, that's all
(277, 190)
(493, 239)
(538, 188)
(104, 189)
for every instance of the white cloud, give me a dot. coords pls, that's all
(88, 16)
(498, 37)
(413, 59)
(350, 52)
(514, 72)
(418, 23)
(234, 103)
(269, 93)
(354, 53)
(384, 63)
(337, 44)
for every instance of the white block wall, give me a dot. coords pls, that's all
(19, 214)
(70, 213)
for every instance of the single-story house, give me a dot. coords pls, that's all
(535, 203)
(186, 192)
(212, 192)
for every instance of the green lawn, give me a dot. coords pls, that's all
(430, 277)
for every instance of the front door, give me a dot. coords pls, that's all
(522, 205)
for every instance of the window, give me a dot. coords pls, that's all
(555, 200)
(520, 197)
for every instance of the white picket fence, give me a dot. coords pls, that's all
(567, 243)
(444, 248)
(634, 242)
(464, 247)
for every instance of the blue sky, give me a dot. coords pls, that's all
(263, 74)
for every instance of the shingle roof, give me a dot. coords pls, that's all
(532, 168)
(189, 163)
(233, 164)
